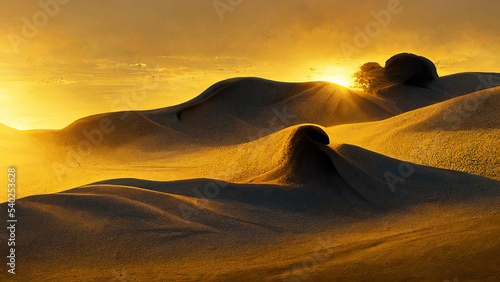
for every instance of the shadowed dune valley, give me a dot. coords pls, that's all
(394, 176)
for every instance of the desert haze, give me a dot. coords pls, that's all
(261, 180)
(231, 140)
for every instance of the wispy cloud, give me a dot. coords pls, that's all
(92, 50)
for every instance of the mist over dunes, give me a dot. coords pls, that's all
(57, 53)
(253, 174)
(233, 140)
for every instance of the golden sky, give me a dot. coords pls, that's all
(61, 60)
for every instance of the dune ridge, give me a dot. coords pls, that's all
(459, 134)
(231, 113)
(248, 178)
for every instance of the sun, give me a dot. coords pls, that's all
(342, 78)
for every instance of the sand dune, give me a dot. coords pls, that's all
(134, 227)
(165, 144)
(266, 180)
(460, 134)
(242, 106)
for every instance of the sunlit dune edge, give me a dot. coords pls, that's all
(254, 177)
(165, 144)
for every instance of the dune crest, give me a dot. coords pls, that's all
(459, 134)
(271, 172)
(163, 144)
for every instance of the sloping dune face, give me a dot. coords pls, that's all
(261, 180)
(213, 135)
(460, 134)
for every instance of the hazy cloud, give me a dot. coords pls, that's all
(88, 47)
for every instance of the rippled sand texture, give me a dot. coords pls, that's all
(260, 180)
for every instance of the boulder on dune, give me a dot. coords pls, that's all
(403, 68)
(410, 69)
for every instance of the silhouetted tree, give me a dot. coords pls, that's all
(370, 77)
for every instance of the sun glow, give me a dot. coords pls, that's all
(340, 79)
(335, 75)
